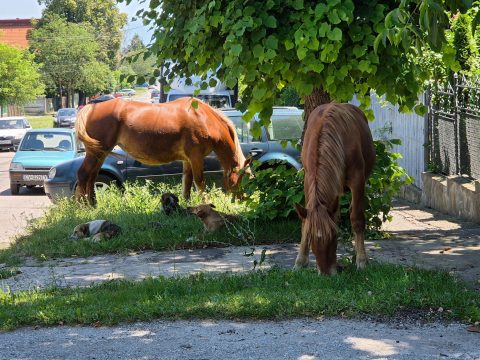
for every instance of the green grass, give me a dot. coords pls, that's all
(134, 209)
(6, 273)
(40, 122)
(380, 290)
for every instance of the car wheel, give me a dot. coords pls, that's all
(15, 189)
(104, 181)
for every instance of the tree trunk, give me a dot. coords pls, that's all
(81, 98)
(315, 99)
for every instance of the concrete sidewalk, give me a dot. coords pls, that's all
(419, 237)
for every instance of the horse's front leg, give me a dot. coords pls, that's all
(357, 218)
(187, 179)
(302, 257)
(197, 170)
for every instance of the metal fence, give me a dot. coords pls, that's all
(454, 128)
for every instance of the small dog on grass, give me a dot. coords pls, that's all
(97, 230)
(212, 219)
(170, 204)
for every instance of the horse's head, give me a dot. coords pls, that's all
(233, 177)
(320, 232)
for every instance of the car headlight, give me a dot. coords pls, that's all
(52, 173)
(16, 166)
(18, 136)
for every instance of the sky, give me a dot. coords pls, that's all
(24, 9)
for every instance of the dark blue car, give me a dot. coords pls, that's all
(118, 167)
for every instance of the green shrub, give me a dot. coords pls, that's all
(272, 192)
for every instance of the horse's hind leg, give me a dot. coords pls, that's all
(87, 173)
(187, 180)
(357, 218)
(83, 175)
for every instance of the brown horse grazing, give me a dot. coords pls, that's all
(337, 153)
(157, 134)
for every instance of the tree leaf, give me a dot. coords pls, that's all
(335, 34)
(236, 49)
(212, 82)
(270, 22)
(297, 4)
(301, 53)
(289, 44)
(272, 42)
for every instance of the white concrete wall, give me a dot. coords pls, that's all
(409, 128)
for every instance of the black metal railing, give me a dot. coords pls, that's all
(454, 127)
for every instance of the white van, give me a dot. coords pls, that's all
(217, 96)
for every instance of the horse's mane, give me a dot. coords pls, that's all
(326, 162)
(239, 157)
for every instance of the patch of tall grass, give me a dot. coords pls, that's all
(137, 209)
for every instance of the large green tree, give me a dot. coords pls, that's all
(19, 76)
(134, 64)
(103, 15)
(325, 50)
(69, 53)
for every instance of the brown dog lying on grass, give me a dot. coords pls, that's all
(97, 230)
(212, 219)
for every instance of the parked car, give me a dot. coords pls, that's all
(39, 151)
(65, 118)
(154, 93)
(12, 130)
(101, 98)
(155, 100)
(126, 92)
(118, 167)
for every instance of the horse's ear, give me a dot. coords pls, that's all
(301, 211)
(212, 206)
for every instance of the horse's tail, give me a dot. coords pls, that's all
(81, 130)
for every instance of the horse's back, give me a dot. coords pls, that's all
(346, 122)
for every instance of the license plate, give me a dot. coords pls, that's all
(5, 142)
(35, 177)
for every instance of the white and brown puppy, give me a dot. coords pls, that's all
(97, 230)
(212, 219)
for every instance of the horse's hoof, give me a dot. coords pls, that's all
(300, 264)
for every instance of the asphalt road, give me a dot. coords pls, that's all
(301, 339)
(16, 211)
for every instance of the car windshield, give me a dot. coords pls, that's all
(47, 141)
(67, 112)
(286, 127)
(12, 124)
(218, 101)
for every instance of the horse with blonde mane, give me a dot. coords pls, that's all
(158, 134)
(337, 154)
